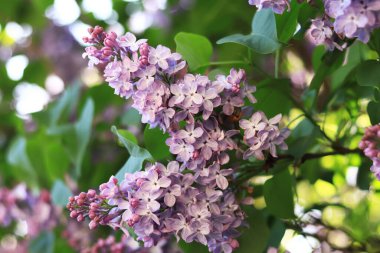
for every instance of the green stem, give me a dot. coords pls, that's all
(277, 63)
(221, 63)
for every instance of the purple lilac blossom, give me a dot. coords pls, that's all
(370, 144)
(278, 6)
(351, 19)
(163, 200)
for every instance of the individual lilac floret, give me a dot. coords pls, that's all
(161, 201)
(321, 33)
(370, 144)
(278, 6)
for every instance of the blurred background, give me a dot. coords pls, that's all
(56, 114)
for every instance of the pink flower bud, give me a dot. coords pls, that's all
(234, 244)
(134, 202)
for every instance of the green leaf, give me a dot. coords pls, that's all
(61, 110)
(192, 247)
(278, 195)
(44, 243)
(304, 136)
(363, 179)
(278, 229)
(131, 117)
(60, 193)
(373, 110)
(82, 134)
(19, 160)
(255, 239)
(50, 160)
(127, 135)
(137, 155)
(287, 22)
(154, 140)
(195, 49)
(329, 63)
(368, 73)
(274, 96)
(374, 42)
(263, 38)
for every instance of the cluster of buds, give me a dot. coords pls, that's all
(370, 144)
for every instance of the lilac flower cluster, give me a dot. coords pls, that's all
(25, 215)
(20, 205)
(190, 197)
(370, 144)
(163, 201)
(351, 19)
(126, 244)
(278, 6)
(165, 96)
(262, 134)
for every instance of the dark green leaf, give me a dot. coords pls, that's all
(192, 247)
(374, 42)
(277, 231)
(373, 110)
(255, 239)
(263, 38)
(287, 22)
(278, 195)
(368, 73)
(274, 97)
(60, 193)
(363, 180)
(154, 140)
(330, 62)
(195, 49)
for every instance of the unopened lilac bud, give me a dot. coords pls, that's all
(109, 43)
(80, 218)
(91, 193)
(92, 224)
(134, 202)
(143, 60)
(73, 214)
(144, 49)
(234, 244)
(107, 51)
